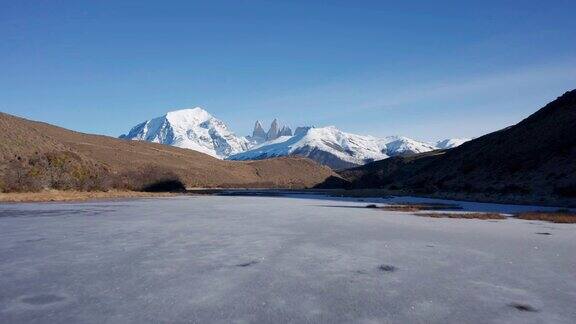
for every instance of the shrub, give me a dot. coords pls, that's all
(55, 170)
(69, 171)
(19, 177)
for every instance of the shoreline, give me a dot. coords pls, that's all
(475, 198)
(383, 193)
(85, 196)
(76, 196)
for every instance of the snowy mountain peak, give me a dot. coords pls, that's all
(451, 143)
(302, 130)
(258, 131)
(285, 131)
(189, 115)
(194, 129)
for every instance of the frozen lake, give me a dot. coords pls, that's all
(215, 259)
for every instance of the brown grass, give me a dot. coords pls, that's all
(55, 195)
(409, 208)
(554, 217)
(463, 215)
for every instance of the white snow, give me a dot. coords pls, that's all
(451, 143)
(276, 260)
(356, 149)
(193, 129)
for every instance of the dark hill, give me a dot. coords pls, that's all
(532, 161)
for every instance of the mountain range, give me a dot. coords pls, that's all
(334, 148)
(198, 130)
(530, 162)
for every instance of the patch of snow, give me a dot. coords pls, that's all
(451, 143)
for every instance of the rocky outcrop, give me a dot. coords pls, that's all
(273, 131)
(285, 131)
(258, 132)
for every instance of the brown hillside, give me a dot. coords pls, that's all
(24, 139)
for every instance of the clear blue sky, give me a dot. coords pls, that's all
(424, 69)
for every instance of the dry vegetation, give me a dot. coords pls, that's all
(54, 170)
(415, 207)
(554, 217)
(69, 171)
(56, 195)
(463, 215)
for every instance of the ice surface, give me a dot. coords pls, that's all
(275, 260)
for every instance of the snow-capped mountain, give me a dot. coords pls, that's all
(451, 143)
(193, 129)
(332, 147)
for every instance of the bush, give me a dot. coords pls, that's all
(69, 171)
(20, 177)
(55, 170)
